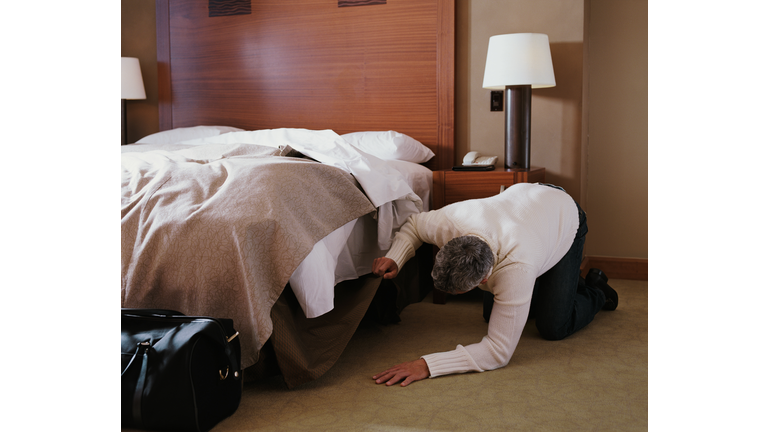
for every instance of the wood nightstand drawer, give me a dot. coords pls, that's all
(453, 186)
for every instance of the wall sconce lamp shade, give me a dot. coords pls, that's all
(131, 87)
(516, 63)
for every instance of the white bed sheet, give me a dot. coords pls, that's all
(348, 252)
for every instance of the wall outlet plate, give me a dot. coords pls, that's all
(497, 100)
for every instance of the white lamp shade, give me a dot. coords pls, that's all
(132, 85)
(518, 59)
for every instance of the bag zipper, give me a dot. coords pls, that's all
(186, 318)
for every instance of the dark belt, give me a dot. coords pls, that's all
(552, 186)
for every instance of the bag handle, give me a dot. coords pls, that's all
(216, 333)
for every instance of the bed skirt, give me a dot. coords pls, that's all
(302, 349)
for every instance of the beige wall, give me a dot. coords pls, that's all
(617, 149)
(590, 131)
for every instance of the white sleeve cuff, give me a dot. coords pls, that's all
(450, 362)
(401, 251)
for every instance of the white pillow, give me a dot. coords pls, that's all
(390, 145)
(178, 135)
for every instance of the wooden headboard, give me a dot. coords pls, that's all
(311, 64)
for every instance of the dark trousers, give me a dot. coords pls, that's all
(562, 302)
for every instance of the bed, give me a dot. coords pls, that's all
(308, 98)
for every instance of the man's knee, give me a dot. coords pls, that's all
(551, 332)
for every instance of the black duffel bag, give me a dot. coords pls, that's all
(180, 372)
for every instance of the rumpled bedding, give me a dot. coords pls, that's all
(217, 230)
(217, 226)
(389, 192)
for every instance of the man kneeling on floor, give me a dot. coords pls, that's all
(524, 246)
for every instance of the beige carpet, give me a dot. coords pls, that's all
(595, 380)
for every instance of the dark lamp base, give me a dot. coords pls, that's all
(517, 127)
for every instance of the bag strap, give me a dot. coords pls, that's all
(128, 366)
(139, 391)
(137, 395)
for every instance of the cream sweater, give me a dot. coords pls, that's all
(529, 228)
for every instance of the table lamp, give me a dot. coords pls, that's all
(132, 87)
(516, 63)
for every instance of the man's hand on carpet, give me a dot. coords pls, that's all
(407, 372)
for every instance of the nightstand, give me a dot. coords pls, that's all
(450, 186)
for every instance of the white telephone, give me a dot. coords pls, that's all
(473, 158)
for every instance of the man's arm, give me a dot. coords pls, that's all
(433, 227)
(512, 286)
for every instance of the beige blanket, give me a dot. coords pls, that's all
(217, 230)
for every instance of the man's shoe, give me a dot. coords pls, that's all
(595, 275)
(597, 279)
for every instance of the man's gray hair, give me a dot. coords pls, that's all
(462, 264)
